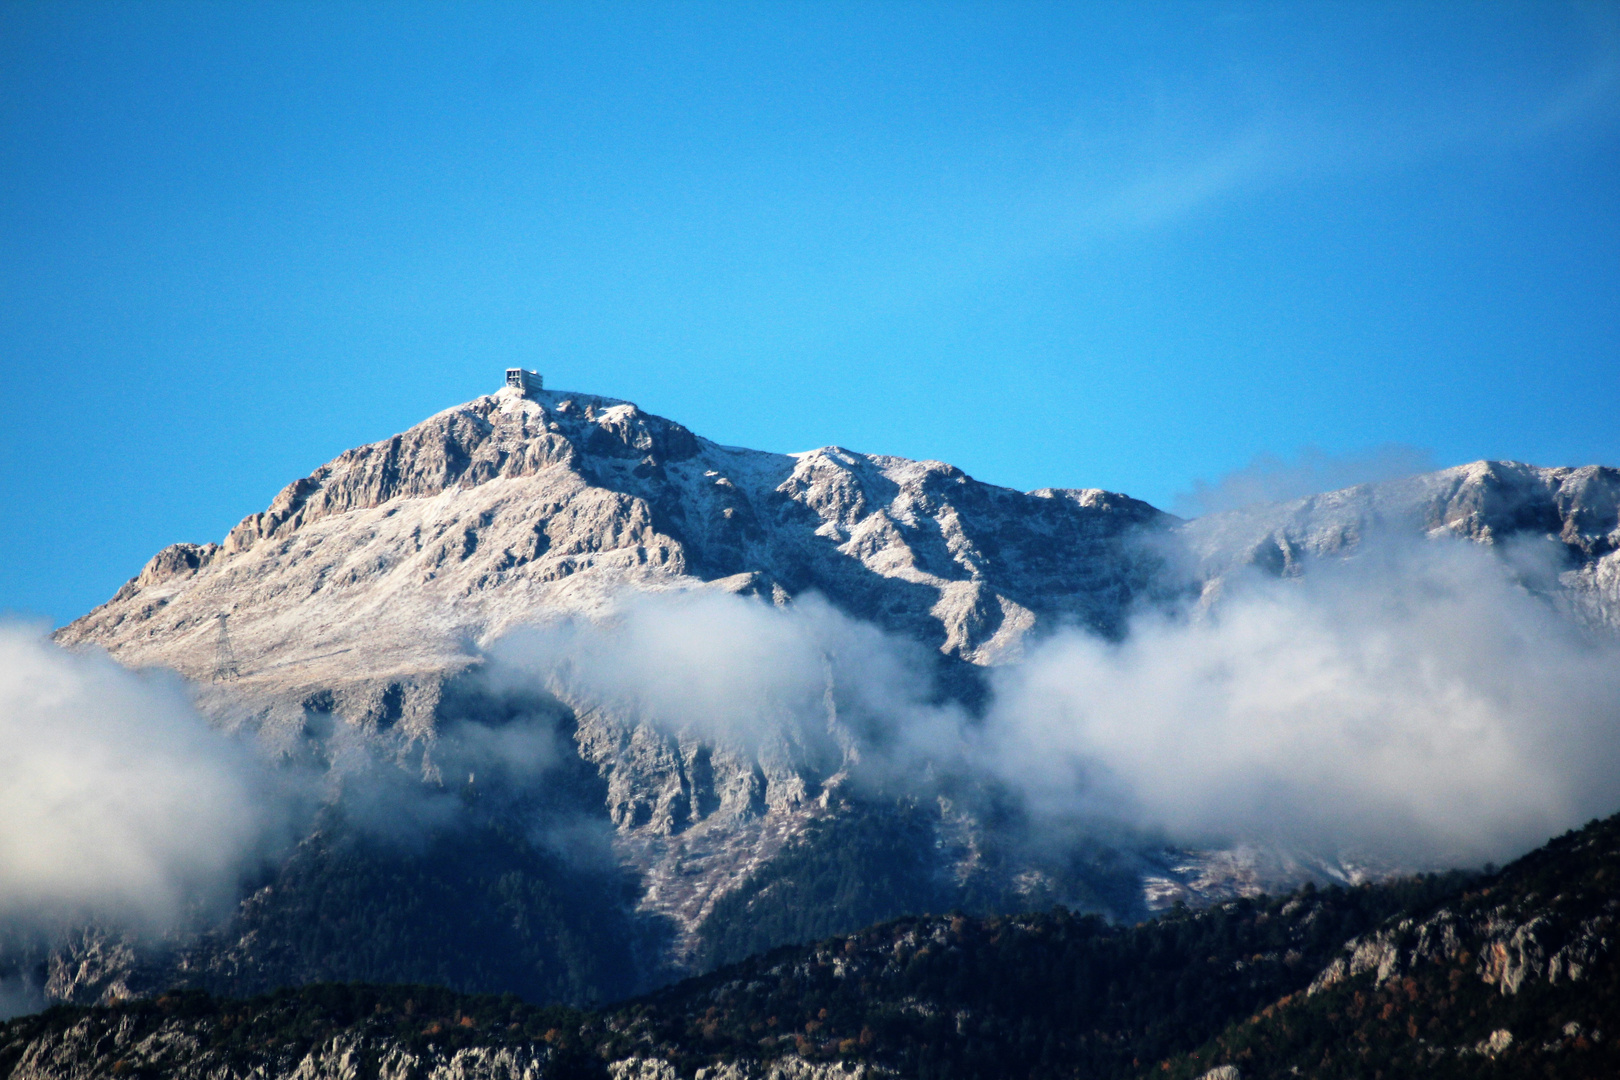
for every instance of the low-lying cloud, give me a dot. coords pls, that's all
(742, 672)
(1413, 702)
(118, 802)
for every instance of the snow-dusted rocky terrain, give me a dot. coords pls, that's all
(367, 589)
(395, 563)
(367, 586)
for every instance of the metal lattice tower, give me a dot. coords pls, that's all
(225, 668)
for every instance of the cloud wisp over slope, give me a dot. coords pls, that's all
(1414, 703)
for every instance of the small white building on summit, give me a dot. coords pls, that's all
(524, 380)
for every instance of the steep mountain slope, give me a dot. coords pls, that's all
(1509, 975)
(368, 591)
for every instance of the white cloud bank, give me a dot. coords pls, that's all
(117, 802)
(1413, 702)
(745, 673)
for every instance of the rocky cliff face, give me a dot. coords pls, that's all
(401, 557)
(1509, 938)
(1514, 975)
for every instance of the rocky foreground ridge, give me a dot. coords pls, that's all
(367, 594)
(1512, 974)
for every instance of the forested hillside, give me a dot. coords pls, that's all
(1510, 974)
(1514, 977)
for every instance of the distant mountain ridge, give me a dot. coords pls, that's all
(1571, 513)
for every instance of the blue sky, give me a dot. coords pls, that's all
(1127, 246)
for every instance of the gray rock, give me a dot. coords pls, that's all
(89, 1050)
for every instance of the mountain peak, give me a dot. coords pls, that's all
(390, 559)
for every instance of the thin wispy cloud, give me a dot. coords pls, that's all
(1229, 138)
(1151, 163)
(1270, 478)
(1174, 190)
(1590, 95)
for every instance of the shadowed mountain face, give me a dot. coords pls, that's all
(362, 604)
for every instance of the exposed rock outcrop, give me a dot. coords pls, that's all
(180, 1051)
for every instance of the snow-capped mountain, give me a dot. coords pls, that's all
(367, 588)
(392, 564)
(371, 589)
